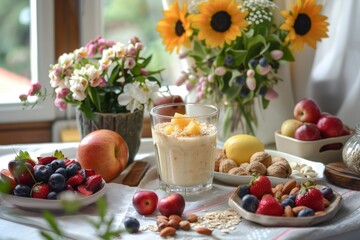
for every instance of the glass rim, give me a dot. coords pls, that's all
(209, 106)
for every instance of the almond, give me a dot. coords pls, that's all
(297, 209)
(319, 213)
(278, 194)
(289, 185)
(176, 217)
(185, 225)
(288, 211)
(160, 221)
(283, 197)
(294, 190)
(161, 226)
(279, 187)
(192, 218)
(326, 202)
(174, 223)
(168, 231)
(204, 231)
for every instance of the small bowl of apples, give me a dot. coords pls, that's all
(312, 134)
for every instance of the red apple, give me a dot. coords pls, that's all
(306, 110)
(104, 151)
(8, 178)
(170, 99)
(307, 132)
(330, 126)
(145, 202)
(173, 204)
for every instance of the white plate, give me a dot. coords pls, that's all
(273, 221)
(236, 180)
(45, 204)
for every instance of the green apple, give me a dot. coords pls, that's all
(289, 126)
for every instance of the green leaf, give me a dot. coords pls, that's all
(146, 61)
(46, 235)
(114, 74)
(49, 217)
(4, 186)
(95, 98)
(22, 155)
(239, 56)
(288, 56)
(101, 206)
(85, 107)
(58, 154)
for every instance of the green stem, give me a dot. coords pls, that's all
(247, 120)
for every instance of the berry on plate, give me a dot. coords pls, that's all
(268, 205)
(259, 186)
(310, 197)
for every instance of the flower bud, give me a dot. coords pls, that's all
(211, 78)
(60, 103)
(251, 83)
(263, 70)
(220, 71)
(250, 73)
(35, 88)
(144, 71)
(189, 85)
(23, 97)
(276, 54)
(271, 94)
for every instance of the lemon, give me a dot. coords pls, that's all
(240, 147)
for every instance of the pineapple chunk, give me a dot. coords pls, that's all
(169, 129)
(193, 128)
(181, 120)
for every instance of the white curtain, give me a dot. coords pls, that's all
(335, 76)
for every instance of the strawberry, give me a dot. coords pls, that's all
(93, 183)
(46, 160)
(69, 161)
(89, 172)
(84, 191)
(310, 197)
(40, 191)
(268, 205)
(259, 186)
(76, 179)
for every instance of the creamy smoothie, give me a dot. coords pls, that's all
(185, 159)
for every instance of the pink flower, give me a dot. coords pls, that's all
(131, 51)
(61, 92)
(189, 85)
(144, 71)
(35, 88)
(23, 97)
(60, 103)
(271, 94)
(129, 63)
(139, 46)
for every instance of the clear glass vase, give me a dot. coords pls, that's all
(236, 119)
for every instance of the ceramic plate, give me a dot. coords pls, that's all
(236, 180)
(335, 205)
(33, 203)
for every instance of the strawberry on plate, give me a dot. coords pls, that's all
(310, 197)
(259, 186)
(268, 205)
(40, 191)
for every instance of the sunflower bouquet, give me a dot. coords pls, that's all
(236, 48)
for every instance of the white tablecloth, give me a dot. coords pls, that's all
(23, 224)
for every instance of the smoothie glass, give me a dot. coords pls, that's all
(185, 146)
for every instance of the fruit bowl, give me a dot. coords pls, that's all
(47, 204)
(274, 221)
(324, 150)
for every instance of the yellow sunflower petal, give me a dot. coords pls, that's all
(305, 24)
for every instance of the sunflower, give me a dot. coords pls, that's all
(304, 24)
(175, 28)
(219, 22)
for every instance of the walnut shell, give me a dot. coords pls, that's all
(227, 164)
(280, 168)
(238, 171)
(244, 165)
(256, 167)
(219, 156)
(262, 157)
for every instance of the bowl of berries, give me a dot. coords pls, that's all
(292, 204)
(49, 182)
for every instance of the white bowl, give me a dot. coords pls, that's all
(324, 150)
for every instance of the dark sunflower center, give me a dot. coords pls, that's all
(302, 24)
(179, 29)
(221, 21)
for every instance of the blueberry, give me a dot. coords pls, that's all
(72, 169)
(62, 171)
(292, 196)
(52, 195)
(263, 62)
(57, 164)
(327, 192)
(228, 61)
(57, 182)
(244, 190)
(42, 173)
(306, 212)
(288, 201)
(240, 80)
(131, 224)
(22, 190)
(253, 63)
(250, 203)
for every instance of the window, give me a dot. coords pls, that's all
(25, 56)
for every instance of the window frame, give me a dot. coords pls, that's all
(42, 52)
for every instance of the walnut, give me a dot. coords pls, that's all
(262, 157)
(238, 171)
(280, 168)
(226, 164)
(256, 167)
(244, 165)
(219, 156)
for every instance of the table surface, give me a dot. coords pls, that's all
(18, 223)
